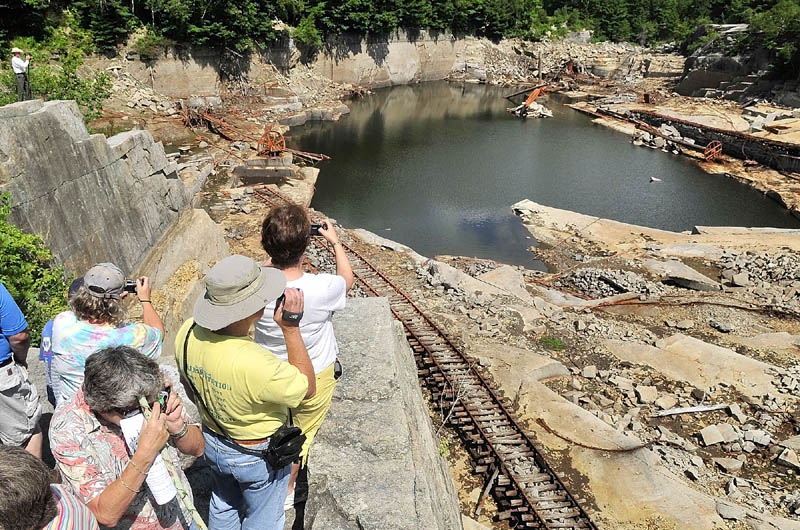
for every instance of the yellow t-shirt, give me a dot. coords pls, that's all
(246, 387)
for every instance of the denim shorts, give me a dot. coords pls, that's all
(247, 493)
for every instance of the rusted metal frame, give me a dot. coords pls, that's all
(536, 455)
(743, 136)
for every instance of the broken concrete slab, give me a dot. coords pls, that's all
(509, 279)
(690, 250)
(710, 435)
(530, 317)
(516, 364)
(779, 341)
(646, 394)
(789, 459)
(729, 465)
(698, 363)
(681, 274)
(730, 511)
(631, 488)
(666, 402)
(383, 242)
(791, 443)
(729, 434)
(453, 278)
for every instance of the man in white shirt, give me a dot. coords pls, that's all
(20, 69)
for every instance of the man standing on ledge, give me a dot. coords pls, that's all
(243, 391)
(20, 68)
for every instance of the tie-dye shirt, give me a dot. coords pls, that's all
(72, 513)
(74, 340)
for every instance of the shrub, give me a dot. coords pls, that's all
(151, 44)
(27, 270)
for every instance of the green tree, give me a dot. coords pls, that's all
(780, 27)
(27, 270)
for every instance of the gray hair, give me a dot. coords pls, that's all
(116, 377)
(97, 310)
(27, 502)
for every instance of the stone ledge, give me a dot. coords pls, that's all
(375, 462)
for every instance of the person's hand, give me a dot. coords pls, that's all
(292, 302)
(154, 434)
(174, 410)
(328, 232)
(143, 288)
(27, 57)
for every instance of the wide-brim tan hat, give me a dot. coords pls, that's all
(236, 288)
(15, 50)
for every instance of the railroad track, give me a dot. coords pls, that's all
(528, 492)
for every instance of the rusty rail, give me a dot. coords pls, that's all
(528, 492)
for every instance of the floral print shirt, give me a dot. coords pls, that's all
(91, 455)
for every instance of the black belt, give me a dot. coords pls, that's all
(7, 361)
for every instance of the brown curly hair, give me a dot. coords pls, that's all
(285, 234)
(97, 310)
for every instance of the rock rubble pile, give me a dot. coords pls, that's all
(136, 96)
(600, 283)
(773, 278)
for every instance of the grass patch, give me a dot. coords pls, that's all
(552, 343)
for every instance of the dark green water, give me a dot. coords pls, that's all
(437, 166)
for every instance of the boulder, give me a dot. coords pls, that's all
(681, 274)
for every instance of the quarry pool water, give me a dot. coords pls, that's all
(436, 166)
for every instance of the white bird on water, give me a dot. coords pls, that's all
(655, 179)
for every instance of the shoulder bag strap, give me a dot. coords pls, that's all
(199, 399)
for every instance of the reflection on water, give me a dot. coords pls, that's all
(437, 166)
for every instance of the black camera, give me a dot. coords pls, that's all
(315, 229)
(130, 286)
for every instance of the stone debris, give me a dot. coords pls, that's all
(605, 282)
(666, 402)
(683, 275)
(729, 465)
(137, 96)
(730, 511)
(722, 327)
(789, 459)
(773, 279)
(710, 435)
(646, 394)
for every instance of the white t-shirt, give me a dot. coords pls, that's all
(18, 65)
(322, 295)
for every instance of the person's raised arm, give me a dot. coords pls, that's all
(343, 267)
(188, 438)
(149, 314)
(296, 349)
(111, 504)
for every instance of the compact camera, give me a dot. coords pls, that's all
(130, 286)
(315, 229)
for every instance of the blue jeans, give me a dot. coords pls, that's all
(245, 484)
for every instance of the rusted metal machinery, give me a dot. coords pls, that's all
(535, 93)
(528, 492)
(713, 150)
(271, 143)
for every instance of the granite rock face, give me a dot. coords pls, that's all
(92, 199)
(375, 462)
